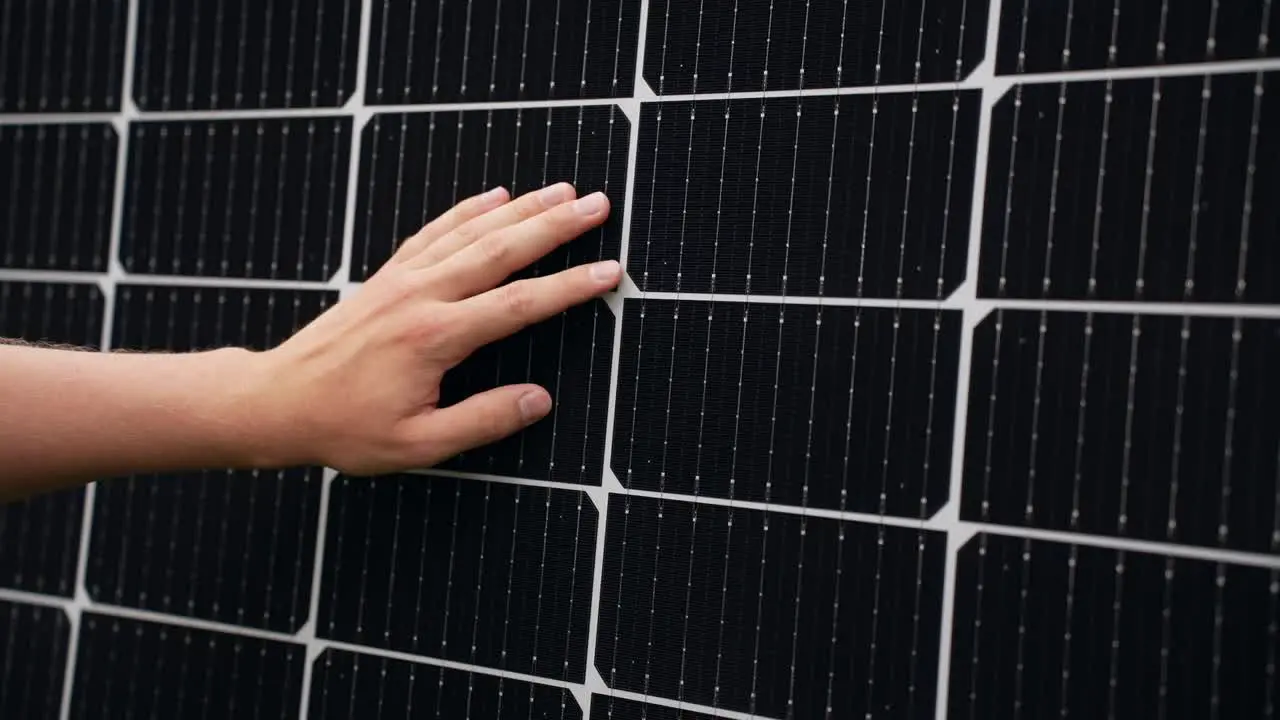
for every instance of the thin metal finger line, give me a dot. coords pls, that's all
(68, 41)
(697, 477)
(506, 608)
(362, 593)
(798, 598)
(764, 537)
(264, 77)
(159, 202)
(256, 193)
(417, 601)
(410, 46)
(25, 54)
(479, 591)
(5, 24)
(166, 96)
(448, 594)
(233, 158)
(15, 174)
(304, 213)
(34, 212)
(46, 56)
(724, 570)
(875, 113)
(376, 122)
(55, 215)
(215, 71)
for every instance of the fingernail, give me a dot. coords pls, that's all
(534, 405)
(494, 195)
(554, 195)
(591, 204)
(606, 271)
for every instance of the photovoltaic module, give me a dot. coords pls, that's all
(942, 382)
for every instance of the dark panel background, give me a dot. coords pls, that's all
(1179, 451)
(1092, 613)
(348, 685)
(245, 55)
(805, 196)
(1137, 39)
(415, 166)
(34, 660)
(727, 400)
(57, 182)
(438, 52)
(789, 44)
(1030, 231)
(40, 536)
(133, 668)
(237, 198)
(484, 573)
(763, 606)
(61, 56)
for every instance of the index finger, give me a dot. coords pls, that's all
(504, 310)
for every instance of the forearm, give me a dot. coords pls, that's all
(70, 417)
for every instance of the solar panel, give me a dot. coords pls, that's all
(941, 383)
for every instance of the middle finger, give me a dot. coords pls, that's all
(518, 210)
(484, 264)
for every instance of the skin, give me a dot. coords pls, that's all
(357, 390)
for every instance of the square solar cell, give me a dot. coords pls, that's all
(231, 546)
(135, 668)
(61, 56)
(416, 166)
(834, 407)
(852, 196)
(1044, 629)
(570, 356)
(33, 660)
(483, 573)
(769, 613)
(1047, 37)
(1157, 190)
(245, 55)
(489, 50)
(236, 198)
(56, 182)
(720, 46)
(348, 685)
(40, 536)
(1145, 426)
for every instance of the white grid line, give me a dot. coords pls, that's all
(961, 299)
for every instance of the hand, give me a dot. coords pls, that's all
(358, 389)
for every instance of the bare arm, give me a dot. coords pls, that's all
(357, 389)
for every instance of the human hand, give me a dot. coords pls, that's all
(358, 389)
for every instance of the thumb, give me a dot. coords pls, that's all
(481, 419)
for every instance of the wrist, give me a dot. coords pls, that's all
(258, 428)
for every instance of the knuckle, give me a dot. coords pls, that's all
(465, 234)
(516, 298)
(494, 248)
